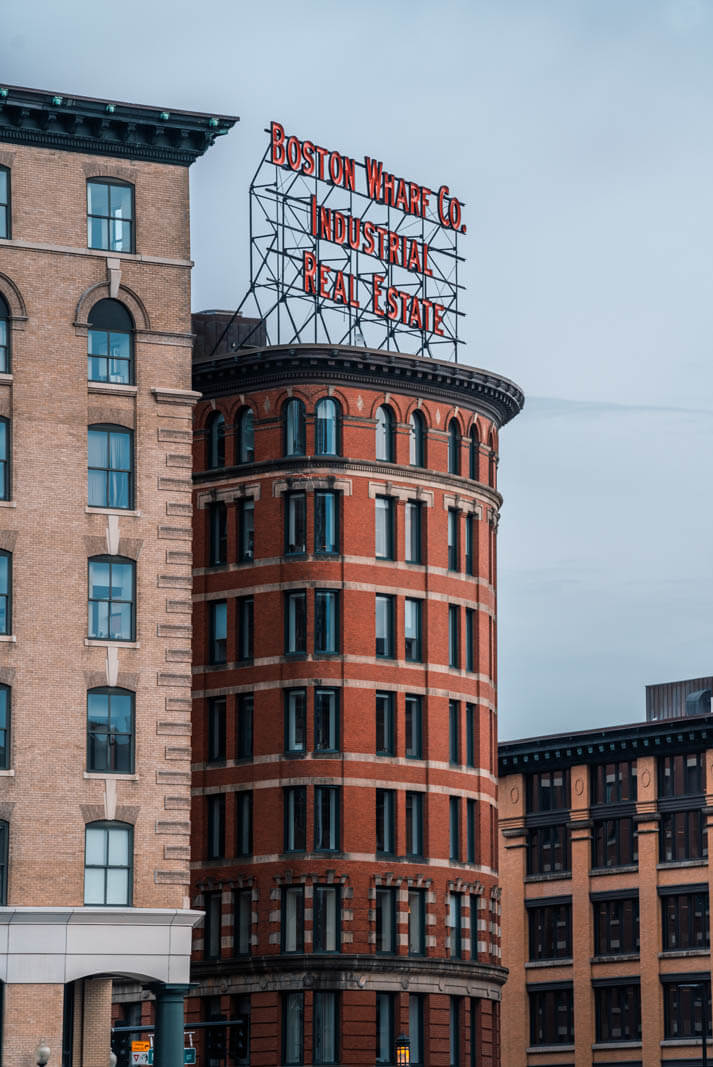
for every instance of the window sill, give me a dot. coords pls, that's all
(7, 774)
(111, 511)
(680, 863)
(684, 1042)
(115, 388)
(97, 642)
(683, 953)
(613, 957)
(534, 964)
(103, 775)
(549, 1048)
(555, 876)
(628, 868)
(5, 379)
(8, 637)
(600, 1046)
(8, 503)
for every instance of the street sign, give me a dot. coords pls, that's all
(141, 1058)
(189, 1056)
(140, 1046)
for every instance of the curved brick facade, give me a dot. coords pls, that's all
(317, 806)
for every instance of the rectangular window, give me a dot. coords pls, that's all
(218, 631)
(414, 728)
(4, 203)
(112, 596)
(415, 1028)
(108, 852)
(216, 717)
(295, 721)
(682, 836)
(326, 918)
(416, 922)
(453, 635)
(454, 1039)
(470, 724)
(295, 819)
(326, 818)
(548, 849)
(244, 727)
(110, 730)
(384, 527)
(326, 521)
(295, 523)
(470, 830)
(455, 923)
(412, 630)
(245, 610)
(614, 843)
(550, 929)
(470, 533)
(293, 918)
(453, 546)
(686, 1008)
(618, 1012)
(547, 791)
(242, 921)
(212, 925)
(5, 732)
(326, 622)
(414, 824)
(685, 921)
(470, 639)
(110, 467)
(326, 1043)
(385, 724)
(454, 828)
(244, 823)
(292, 1029)
(385, 913)
(110, 216)
(616, 926)
(385, 1014)
(215, 826)
(386, 821)
(295, 624)
(413, 552)
(218, 533)
(454, 731)
(326, 720)
(613, 783)
(246, 530)
(384, 625)
(552, 1015)
(682, 775)
(475, 948)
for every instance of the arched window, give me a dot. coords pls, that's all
(110, 351)
(110, 467)
(326, 442)
(110, 731)
(246, 436)
(453, 448)
(417, 440)
(474, 453)
(385, 433)
(492, 460)
(110, 215)
(4, 336)
(216, 441)
(4, 202)
(4, 727)
(108, 862)
(112, 598)
(293, 414)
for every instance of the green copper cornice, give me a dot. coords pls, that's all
(107, 127)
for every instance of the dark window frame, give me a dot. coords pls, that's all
(112, 561)
(215, 826)
(385, 434)
(6, 206)
(389, 638)
(294, 804)
(547, 1003)
(332, 830)
(128, 829)
(293, 519)
(321, 893)
(5, 337)
(109, 692)
(681, 928)
(296, 892)
(321, 628)
(454, 442)
(454, 636)
(111, 314)
(616, 919)
(294, 443)
(321, 547)
(244, 726)
(240, 898)
(622, 1000)
(413, 708)
(246, 530)
(384, 506)
(385, 822)
(217, 514)
(111, 245)
(549, 923)
(454, 727)
(385, 925)
(6, 729)
(217, 645)
(297, 597)
(321, 425)
(418, 433)
(414, 651)
(111, 429)
(454, 829)
(216, 722)
(385, 705)
(6, 459)
(334, 729)
(245, 619)
(291, 709)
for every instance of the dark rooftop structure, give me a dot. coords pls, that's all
(672, 700)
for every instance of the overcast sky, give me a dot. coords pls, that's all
(579, 133)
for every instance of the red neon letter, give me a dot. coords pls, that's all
(368, 238)
(310, 273)
(373, 177)
(392, 302)
(442, 214)
(278, 144)
(377, 291)
(438, 310)
(323, 280)
(308, 153)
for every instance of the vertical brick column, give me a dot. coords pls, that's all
(582, 946)
(647, 829)
(513, 867)
(32, 1012)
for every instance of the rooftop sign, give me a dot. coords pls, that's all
(344, 251)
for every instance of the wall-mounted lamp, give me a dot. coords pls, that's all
(42, 1053)
(403, 1050)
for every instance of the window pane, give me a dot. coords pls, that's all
(98, 448)
(120, 202)
(98, 233)
(117, 887)
(93, 886)
(118, 848)
(97, 489)
(95, 847)
(98, 198)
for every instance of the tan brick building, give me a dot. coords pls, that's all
(604, 863)
(344, 842)
(95, 566)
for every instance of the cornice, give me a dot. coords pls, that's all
(107, 128)
(608, 744)
(278, 365)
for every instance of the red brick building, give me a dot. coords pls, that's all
(344, 735)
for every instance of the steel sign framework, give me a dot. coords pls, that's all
(343, 252)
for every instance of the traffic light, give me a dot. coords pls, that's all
(239, 1040)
